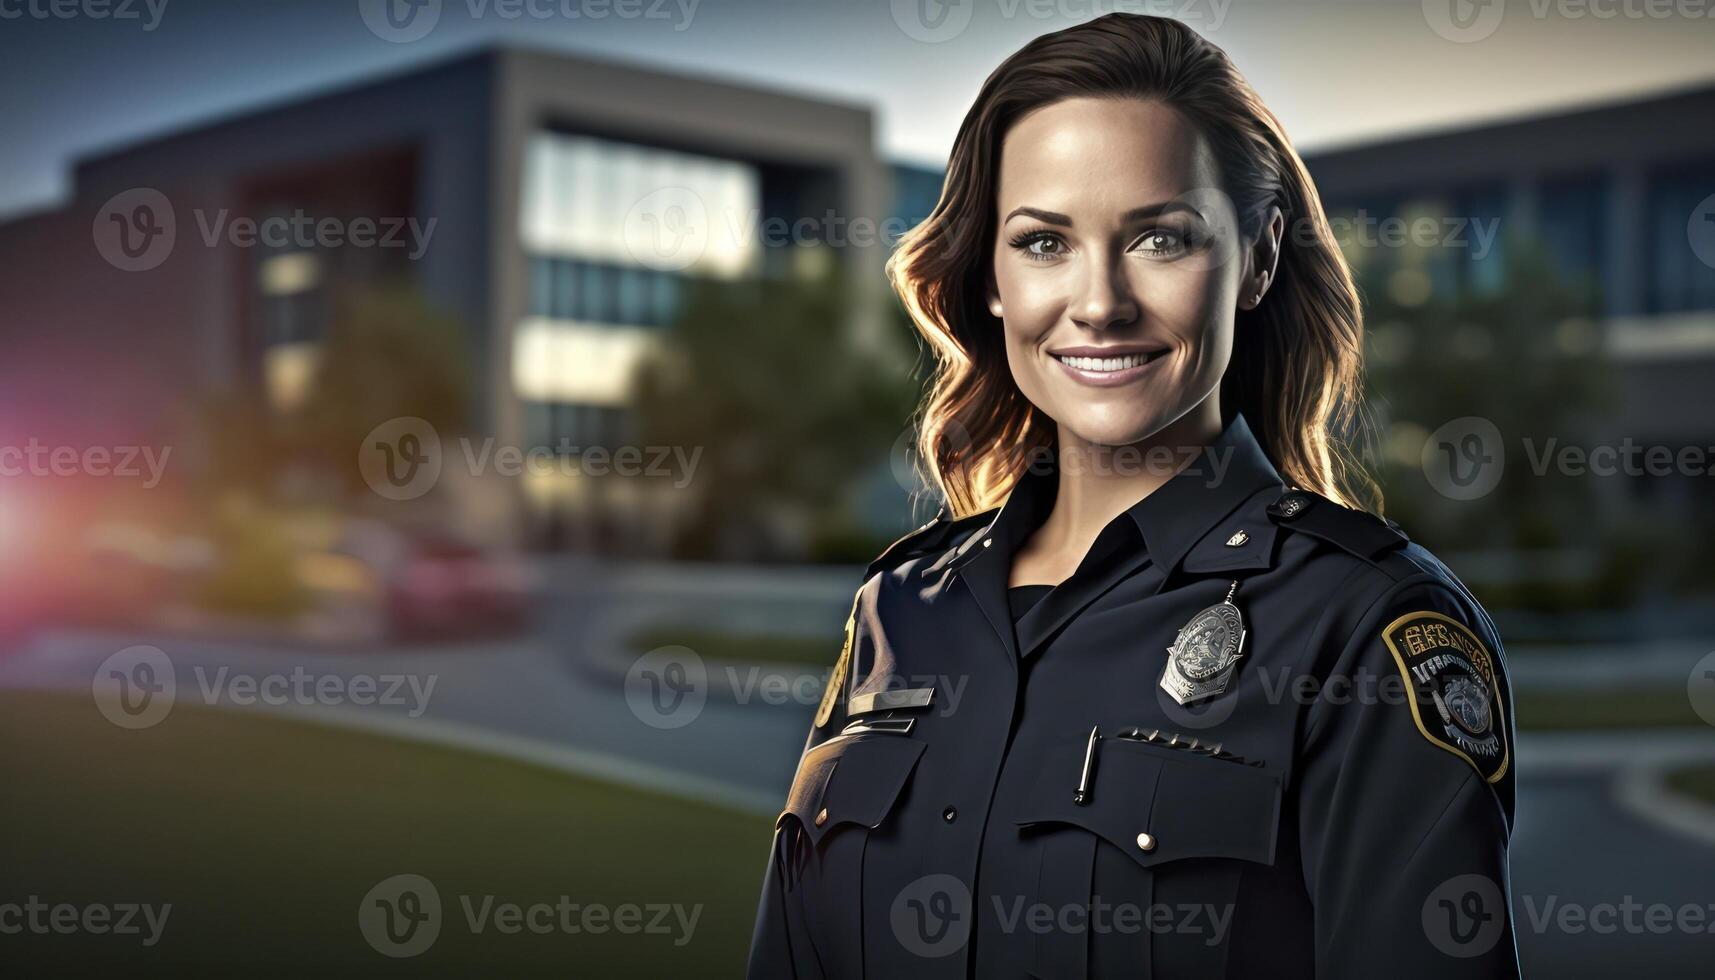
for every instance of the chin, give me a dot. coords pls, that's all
(1114, 431)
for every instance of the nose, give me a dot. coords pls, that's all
(1105, 300)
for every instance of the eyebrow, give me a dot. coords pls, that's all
(1135, 214)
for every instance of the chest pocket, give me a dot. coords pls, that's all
(1143, 880)
(844, 792)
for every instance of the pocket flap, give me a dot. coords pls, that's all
(850, 780)
(1159, 804)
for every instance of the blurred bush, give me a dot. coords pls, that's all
(793, 410)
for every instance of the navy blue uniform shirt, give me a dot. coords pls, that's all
(991, 798)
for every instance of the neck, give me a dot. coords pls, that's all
(1098, 483)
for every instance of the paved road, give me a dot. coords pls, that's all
(543, 698)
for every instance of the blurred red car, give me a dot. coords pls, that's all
(436, 586)
(447, 587)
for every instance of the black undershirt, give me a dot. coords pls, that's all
(1022, 597)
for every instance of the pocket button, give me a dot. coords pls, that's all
(1146, 842)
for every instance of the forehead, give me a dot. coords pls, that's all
(1096, 154)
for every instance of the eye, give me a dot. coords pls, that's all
(1162, 243)
(1039, 246)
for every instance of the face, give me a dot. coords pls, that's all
(1118, 269)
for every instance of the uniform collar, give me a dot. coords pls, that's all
(1176, 520)
(1208, 517)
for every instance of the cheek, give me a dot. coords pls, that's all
(1193, 306)
(1033, 304)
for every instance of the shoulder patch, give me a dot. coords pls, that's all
(837, 677)
(1456, 696)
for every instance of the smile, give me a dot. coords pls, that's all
(1103, 370)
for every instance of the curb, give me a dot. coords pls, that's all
(602, 766)
(1642, 791)
(728, 679)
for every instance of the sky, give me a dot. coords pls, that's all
(83, 75)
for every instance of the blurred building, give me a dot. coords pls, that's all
(1621, 200)
(572, 201)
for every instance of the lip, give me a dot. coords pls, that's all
(1107, 379)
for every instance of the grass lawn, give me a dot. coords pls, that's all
(1623, 707)
(1694, 781)
(266, 834)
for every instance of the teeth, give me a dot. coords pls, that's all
(1105, 363)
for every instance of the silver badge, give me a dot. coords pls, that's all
(1201, 660)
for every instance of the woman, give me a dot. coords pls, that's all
(1159, 697)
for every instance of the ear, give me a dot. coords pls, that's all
(992, 293)
(1261, 259)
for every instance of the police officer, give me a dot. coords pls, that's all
(1001, 797)
(1151, 699)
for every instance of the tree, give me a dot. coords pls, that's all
(766, 377)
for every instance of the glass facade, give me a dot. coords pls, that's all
(613, 232)
(1679, 279)
(1571, 221)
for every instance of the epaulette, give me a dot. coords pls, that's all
(941, 533)
(1361, 533)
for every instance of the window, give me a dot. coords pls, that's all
(617, 204)
(1572, 222)
(1679, 279)
(570, 428)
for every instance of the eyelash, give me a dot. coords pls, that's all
(1024, 239)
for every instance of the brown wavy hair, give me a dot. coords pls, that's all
(1297, 363)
